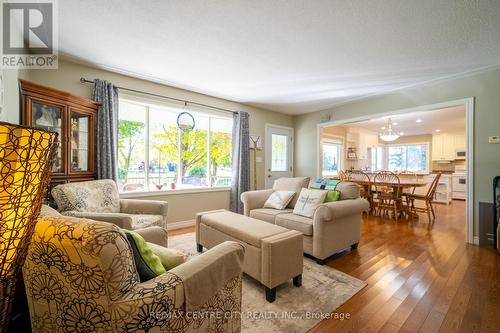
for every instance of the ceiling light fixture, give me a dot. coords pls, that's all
(419, 120)
(438, 130)
(389, 134)
(394, 123)
(401, 133)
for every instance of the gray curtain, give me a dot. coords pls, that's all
(241, 160)
(107, 128)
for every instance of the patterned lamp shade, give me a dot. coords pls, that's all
(26, 156)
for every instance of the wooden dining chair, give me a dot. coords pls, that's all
(387, 199)
(427, 198)
(343, 176)
(411, 175)
(365, 189)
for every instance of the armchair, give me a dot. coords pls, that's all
(99, 200)
(80, 276)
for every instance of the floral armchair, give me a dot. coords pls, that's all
(99, 200)
(80, 277)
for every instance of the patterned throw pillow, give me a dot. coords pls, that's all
(279, 199)
(308, 201)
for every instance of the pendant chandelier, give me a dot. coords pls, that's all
(388, 134)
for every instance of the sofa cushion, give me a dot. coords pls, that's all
(348, 190)
(296, 222)
(244, 228)
(291, 184)
(97, 196)
(268, 214)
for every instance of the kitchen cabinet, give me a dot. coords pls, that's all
(361, 142)
(460, 141)
(443, 147)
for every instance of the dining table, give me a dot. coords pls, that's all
(397, 187)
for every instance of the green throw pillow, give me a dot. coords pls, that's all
(148, 264)
(332, 195)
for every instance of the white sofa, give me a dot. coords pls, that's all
(335, 226)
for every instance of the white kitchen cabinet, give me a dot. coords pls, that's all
(460, 141)
(443, 147)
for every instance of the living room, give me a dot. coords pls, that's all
(192, 148)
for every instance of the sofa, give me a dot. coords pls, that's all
(99, 200)
(335, 226)
(80, 276)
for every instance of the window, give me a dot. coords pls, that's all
(331, 158)
(154, 154)
(279, 158)
(411, 157)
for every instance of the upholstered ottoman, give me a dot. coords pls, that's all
(273, 254)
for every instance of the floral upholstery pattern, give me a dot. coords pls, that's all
(80, 277)
(98, 196)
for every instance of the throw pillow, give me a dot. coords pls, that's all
(170, 258)
(332, 195)
(147, 263)
(279, 199)
(308, 201)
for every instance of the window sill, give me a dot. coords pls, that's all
(145, 194)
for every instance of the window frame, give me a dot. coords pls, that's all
(175, 107)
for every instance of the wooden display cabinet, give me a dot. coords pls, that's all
(74, 118)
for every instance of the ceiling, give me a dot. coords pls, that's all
(294, 56)
(446, 120)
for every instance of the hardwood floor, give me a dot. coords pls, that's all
(420, 278)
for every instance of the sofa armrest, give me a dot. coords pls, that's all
(338, 209)
(156, 235)
(121, 220)
(204, 275)
(255, 199)
(151, 207)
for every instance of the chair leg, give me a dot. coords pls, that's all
(428, 211)
(199, 248)
(432, 210)
(354, 246)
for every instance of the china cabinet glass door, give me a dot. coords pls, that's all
(80, 141)
(51, 118)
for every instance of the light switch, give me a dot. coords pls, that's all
(494, 139)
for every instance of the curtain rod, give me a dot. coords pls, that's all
(84, 80)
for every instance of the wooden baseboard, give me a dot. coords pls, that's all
(180, 224)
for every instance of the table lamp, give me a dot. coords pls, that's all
(26, 156)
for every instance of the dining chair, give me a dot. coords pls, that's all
(427, 198)
(387, 198)
(343, 176)
(365, 189)
(411, 175)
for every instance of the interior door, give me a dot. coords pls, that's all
(279, 153)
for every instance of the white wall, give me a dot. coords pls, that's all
(10, 112)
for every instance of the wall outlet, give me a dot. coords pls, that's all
(494, 139)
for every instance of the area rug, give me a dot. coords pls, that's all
(295, 310)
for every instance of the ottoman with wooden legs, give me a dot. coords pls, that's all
(273, 254)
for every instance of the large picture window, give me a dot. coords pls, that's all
(154, 154)
(411, 157)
